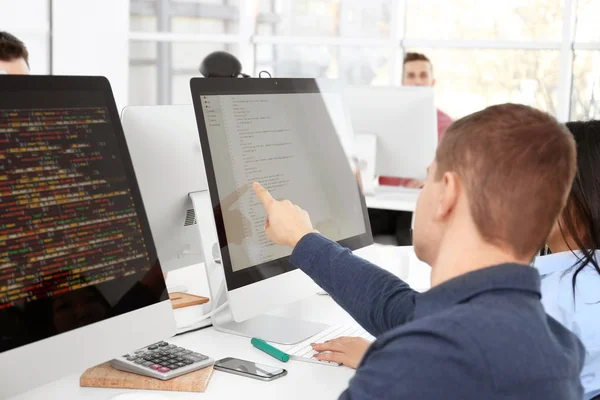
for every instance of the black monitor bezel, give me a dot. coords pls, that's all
(233, 86)
(43, 83)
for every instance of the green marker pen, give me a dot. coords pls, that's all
(270, 350)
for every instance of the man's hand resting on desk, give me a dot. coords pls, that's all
(344, 350)
(286, 223)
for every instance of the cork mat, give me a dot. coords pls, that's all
(105, 376)
(179, 300)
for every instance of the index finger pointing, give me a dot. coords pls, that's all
(263, 195)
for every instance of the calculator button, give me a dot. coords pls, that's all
(171, 346)
(140, 361)
(181, 364)
(163, 369)
(186, 352)
(153, 347)
(163, 344)
(155, 366)
(174, 366)
(147, 363)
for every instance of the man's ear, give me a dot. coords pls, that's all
(449, 191)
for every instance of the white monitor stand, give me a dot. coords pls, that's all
(242, 311)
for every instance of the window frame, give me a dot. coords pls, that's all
(396, 45)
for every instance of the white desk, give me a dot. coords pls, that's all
(401, 201)
(304, 380)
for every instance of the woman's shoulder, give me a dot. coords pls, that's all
(558, 297)
(557, 262)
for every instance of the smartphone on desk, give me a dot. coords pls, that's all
(250, 369)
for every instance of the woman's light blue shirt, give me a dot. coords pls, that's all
(579, 313)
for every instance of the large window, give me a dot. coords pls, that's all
(545, 53)
(485, 20)
(325, 18)
(585, 97)
(355, 65)
(469, 80)
(170, 39)
(587, 21)
(585, 101)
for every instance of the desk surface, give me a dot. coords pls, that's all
(401, 201)
(304, 380)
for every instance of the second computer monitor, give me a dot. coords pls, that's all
(404, 120)
(278, 132)
(167, 158)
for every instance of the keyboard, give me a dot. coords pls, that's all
(162, 361)
(303, 351)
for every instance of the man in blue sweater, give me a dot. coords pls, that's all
(498, 182)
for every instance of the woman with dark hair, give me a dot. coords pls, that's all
(571, 273)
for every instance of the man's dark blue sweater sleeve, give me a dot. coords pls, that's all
(422, 362)
(376, 299)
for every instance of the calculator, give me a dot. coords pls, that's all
(162, 361)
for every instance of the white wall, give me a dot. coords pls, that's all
(29, 21)
(90, 37)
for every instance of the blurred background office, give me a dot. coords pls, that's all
(545, 53)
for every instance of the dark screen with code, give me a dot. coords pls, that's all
(72, 249)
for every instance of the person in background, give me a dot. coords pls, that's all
(481, 331)
(571, 274)
(418, 71)
(14, 57)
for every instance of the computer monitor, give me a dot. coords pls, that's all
(80, 280)
(167, 158)
(278, 132)
(403, 119)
